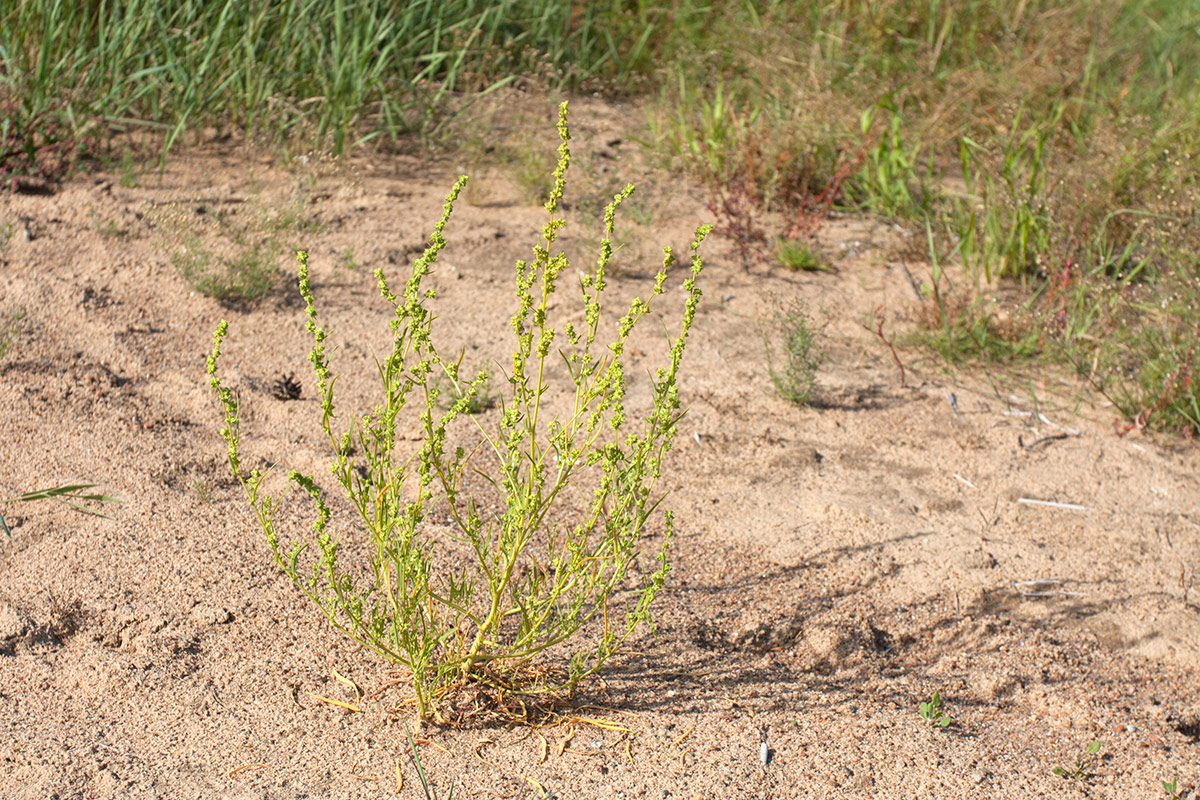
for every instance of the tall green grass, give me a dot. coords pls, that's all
(342, 71)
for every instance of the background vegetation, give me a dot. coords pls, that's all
(1040, 152)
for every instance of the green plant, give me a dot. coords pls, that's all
(793, 362)
(244, 278)
(1005, 227)
(293, 216)
(108, 229)
(705, 129)
(129, 178)
(484, 398)
(1171, 789)
(202, 490)
(798, 256)
(931, 711)
(347, 260)
(230, 255)
(1163, 393)
(9, 329)
(1083, 764)
(741, 146)
(537, 567)
(887, 183)
(111, 230)
(67, 495)
(429, 792)
(1134, 338)
(962, 326)
(36, 143)
(380, 68)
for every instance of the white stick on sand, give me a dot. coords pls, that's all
(964, 480)
(1052, 504)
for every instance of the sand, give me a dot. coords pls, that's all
(833, 565)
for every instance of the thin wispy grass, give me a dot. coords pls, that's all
(74, 495)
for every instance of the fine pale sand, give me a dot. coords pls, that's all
(833, 566)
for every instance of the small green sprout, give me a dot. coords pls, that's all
(931, 711)
(1083, 764)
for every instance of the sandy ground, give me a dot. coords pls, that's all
(834, 565)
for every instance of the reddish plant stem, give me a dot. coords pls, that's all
(813, 209)
(878, 331)
(1179, 380)
(735, 195)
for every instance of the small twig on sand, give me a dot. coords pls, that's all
(963, 480)
(1031, 447)
(1051, 503)
(953, 404)
(1040, 587)
(912, 281)
(1013, 412)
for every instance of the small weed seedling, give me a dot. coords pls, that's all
(530, 583)
(202, 490)
(10, 328)
(107, 228)
(1172, 790)
(231, 253)
(931, 711)
(244, 278)
(1083, 764)
(110, 230)
(793, 363)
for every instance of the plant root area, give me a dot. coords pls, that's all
(833, 565)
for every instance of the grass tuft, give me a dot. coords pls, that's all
(798, 257)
